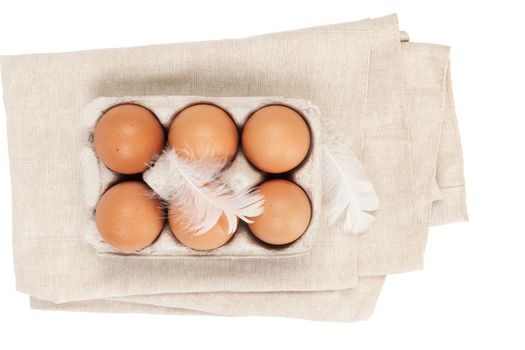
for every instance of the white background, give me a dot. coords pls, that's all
(471, 292)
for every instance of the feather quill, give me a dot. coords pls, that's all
(348, 193)
(195, 187)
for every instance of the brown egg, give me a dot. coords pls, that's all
(204, 131)
(286, 215)
(275, 139)
(128, 217)
(216, 237)
(127, 137)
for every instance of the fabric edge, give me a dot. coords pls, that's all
(452, 207)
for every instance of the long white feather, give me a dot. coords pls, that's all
(348, 193)
(195, 188)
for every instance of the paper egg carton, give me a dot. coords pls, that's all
(241, 174)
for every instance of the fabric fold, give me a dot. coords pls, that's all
(391, 98)
(347, 305)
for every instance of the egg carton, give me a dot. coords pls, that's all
(241, 174)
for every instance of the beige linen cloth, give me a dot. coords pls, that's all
(391, 100)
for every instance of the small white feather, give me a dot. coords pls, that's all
(195, 187)
(348, 194)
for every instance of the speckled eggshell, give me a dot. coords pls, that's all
(216, 237)
(128, 216)
(275, 139)
(287, 213)
(204, 131)
(127, 138)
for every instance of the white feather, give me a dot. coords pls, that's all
(195, 188)
(348, 193)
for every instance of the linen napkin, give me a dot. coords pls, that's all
(430, 101)
(368, 85)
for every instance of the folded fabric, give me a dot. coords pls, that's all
(391, 100)
(344, 305)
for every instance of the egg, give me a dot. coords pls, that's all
(204, 131)
(127, 138)
(276, 139)
(216, 237)
(287, 213)
(128, 216)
